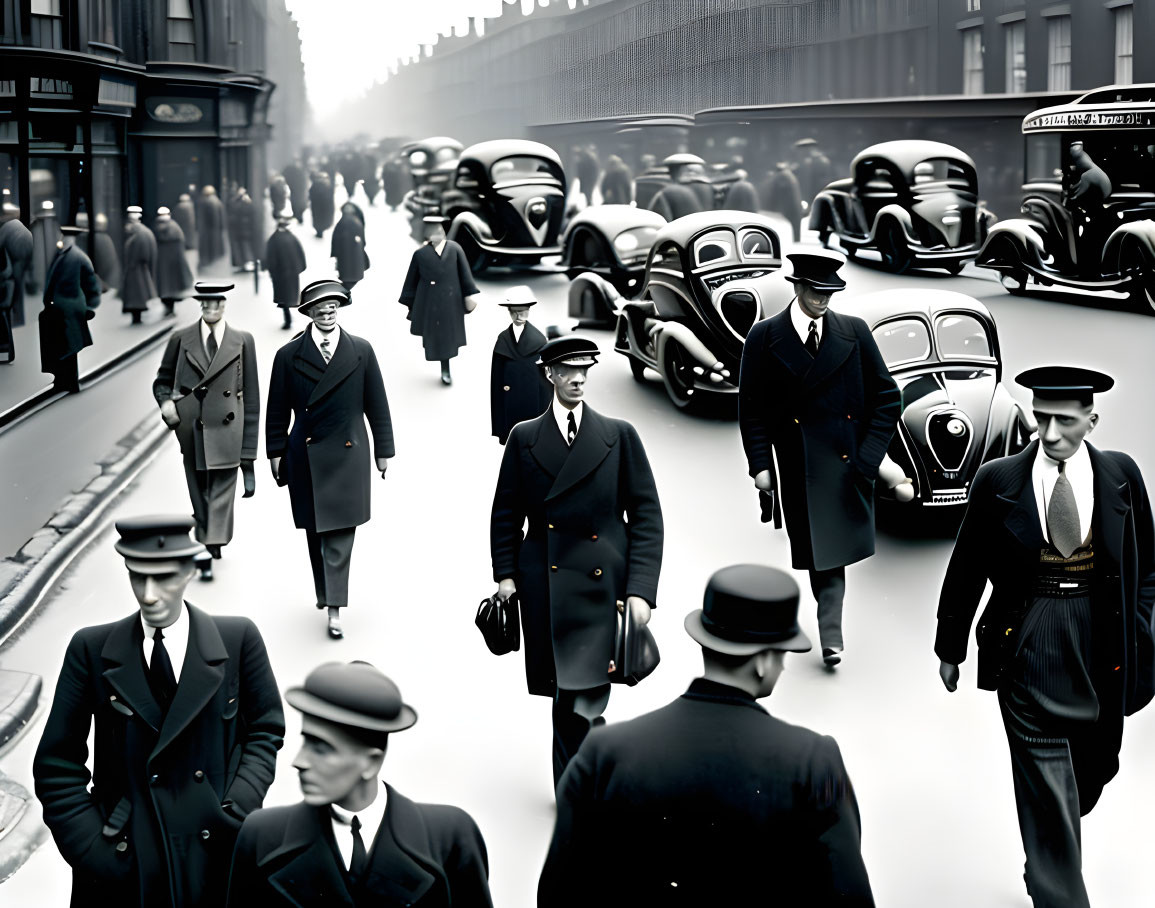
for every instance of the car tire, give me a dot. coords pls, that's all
(1143, 288)
(896, 256)
(677, 369)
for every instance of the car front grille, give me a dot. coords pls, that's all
(740, 310)
(948, 496)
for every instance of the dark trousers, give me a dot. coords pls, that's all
(212, 493)
(829, 588)
(66, 375)
(329, 555)
(575, 712)
(7, 341)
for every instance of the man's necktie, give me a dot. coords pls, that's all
(161, 677)
(572, 434)
(1063, 515)
(812, 339)
(325, 349)
(211, 345)
(359, 861)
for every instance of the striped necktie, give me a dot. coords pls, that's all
(325, 349)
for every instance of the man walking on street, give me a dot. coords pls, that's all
(206, 380)
(188, 723)
(815, 393)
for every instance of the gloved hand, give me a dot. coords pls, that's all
(249, 476)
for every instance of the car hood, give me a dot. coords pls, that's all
(944, 421)
(947, 215)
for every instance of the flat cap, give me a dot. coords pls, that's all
(1065, 382)
(356, 694)
(748, 608)
(570, 350)
(320, 291)
(157, 537)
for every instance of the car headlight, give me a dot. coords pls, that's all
(626, 242)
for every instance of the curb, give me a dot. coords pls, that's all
(26, 576)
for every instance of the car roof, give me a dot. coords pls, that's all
(683, 229)
(487, 153)
(905, 153)
(877, 307)
(434, 142)
(1111, 107)
(616, 218)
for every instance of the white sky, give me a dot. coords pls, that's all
(347, 45)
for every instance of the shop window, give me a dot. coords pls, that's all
(182, 44)
(1059, 53)
(1124, 38)
(47, 28)
(974, 6)
(1016, 57)
(104, 21)
(972, 61)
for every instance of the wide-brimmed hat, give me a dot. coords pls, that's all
(355, 694)
(320, 291)
(157, 537)
(1065, 382)
(748, 608)
(817, 270)
(570, 350)
(519, 296)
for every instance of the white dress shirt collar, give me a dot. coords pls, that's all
(440, 247)
(218, 331)
(517, 329)
(334, 337)
(370, 817)
(561, 415)
(175, 641)
(801, 322)
(1080, 474)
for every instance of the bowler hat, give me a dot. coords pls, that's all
(356, 694)
(134, 209)
(817, 270)
(748, 608)
(211, 290)
(157, 537)
(320, 291)
(1065, 382)
(519, 297)
(570, 350)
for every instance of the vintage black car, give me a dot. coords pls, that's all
(1089, 204)
(427, 161)
(704, 286)
(943, 350)
(612, 241)
(506, 203)
(914, 201)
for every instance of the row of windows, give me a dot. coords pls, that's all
(1058, 53)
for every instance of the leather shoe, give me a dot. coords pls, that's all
(214, 550)
(335, 632)
(830, 656)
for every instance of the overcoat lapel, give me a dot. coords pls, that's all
(506, 346)
(531, 340)
(123, 652)
(402, 874)
(345, 361)
(785, 345)
(1112, 502)
(548, 447)
(837, 344)
(590, 448)
(200, 676)
(194, 350)
(228, 353)
(311, 877)
(1018, 495)
(307, 358)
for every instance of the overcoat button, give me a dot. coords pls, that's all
(228, 393)
(153, 779)
(506, 388)
(348, 444)
(122, 847)
(796, 422)
(551, 526)
(308, 441)
(205, 834)
(553, 567)
(199, 775)
(597, 572)
(594, 537)
(845, 457)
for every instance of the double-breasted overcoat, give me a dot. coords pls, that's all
(828, 420)
(218, 403)
(285, 260)
(326, 457)
(435, 858)
(174, 278)
(139, 274)
(169, 790)
(518, 388)
(595, 537)
(71, 293)
(435, 290)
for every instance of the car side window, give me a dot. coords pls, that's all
(667, 256)
(902, 341)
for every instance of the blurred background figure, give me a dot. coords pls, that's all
(298, 184)
(45, 236)
(278, 193)
(16, 244)
(210, 216)
(139, 275)
(284, 259)
(71, 295)
(617, 182)
(321, 202)
(185, 214)
(348, 247)
(174, 278)
(742, 195)
(783, 196)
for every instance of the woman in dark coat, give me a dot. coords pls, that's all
(348, 247)
(210, 227)
(139, 277)
(71, 295)
(174, 278)
(321, 202)
(436, 289)
(284, 259)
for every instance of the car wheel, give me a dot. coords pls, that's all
(678, 373)
(1143, 288)
(637, 369)
(892, 246)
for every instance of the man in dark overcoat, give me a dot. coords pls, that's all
(328, 383)
(188, 723)
(594, 542)
(210, 227)
(206, 380)
(298, 183)
(174, 278)
(16, 244)
(784, 196)
(1063, 532)
(284, 259)
(71, 296)
(395, 176)
(105, 258)
(815, 393)
(617, 182)
(138, 279)
(185, 214)
(321, 202)
(728, 800)
(348, 247)
(242, 217)
(518, 389)
(355, 840)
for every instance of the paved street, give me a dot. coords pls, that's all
(930, 769)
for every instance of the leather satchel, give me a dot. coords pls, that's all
(635, 650)
(498, 622)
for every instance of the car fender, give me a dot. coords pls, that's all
(605, 294)
(466, 222)
(1026, 237)
(824, 213)
(662, 331)
(574, 232)
(1127, 237)
(902, 216)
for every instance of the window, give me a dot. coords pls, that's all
(182, 44)
(903, 341)
(1124, 37)
(973, 6)
(1016, 57)
(962, 337)
(47, 28)
(521, 167)
(104, 21)
(973, 61)
(1059, 53)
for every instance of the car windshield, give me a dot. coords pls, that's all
(939, 174)
(521, 167)
(448, 153)
(903, 341)
(962, 337)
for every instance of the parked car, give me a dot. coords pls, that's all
(612, 241)
(914, 201)
(1089, 202)
(704, 286)
(943, 350)
(506, 203)
(427, 161)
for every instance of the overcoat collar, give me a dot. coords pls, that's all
(228, 351)
(311, 877)
(837, 344)
(531, 341)
(123, 658)
(704, 689)
(1017, 495)
(570, 465)
(308, 361)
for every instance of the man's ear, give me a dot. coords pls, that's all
(1094, 420)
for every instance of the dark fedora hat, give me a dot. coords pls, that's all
(570, 350)
(1065, 382)
(157, 537)
(356, 694)
(748, 608)
(320, 291)
(818, 270)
